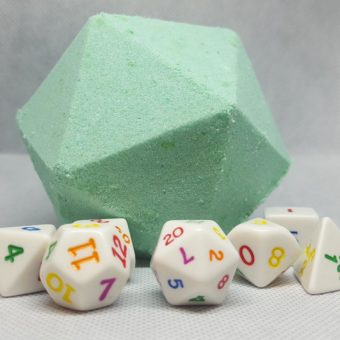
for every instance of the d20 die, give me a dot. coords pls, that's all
(205, 130)
(194, 262)
(86, 266)
(21, 253)
(266, 250)
(318, 268)
(120, 225)
(301, 222)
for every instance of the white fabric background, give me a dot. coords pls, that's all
(294, 46)
(281, 311)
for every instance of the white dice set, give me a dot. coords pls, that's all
(86, 264)
(318, 265)
(83, 265)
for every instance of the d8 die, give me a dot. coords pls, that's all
(194, 262)
(265, 248)
(21, 253)
(318, 268)
(120, 225)
(301, 222)
(86, 265)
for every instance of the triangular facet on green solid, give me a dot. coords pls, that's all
(153, 120)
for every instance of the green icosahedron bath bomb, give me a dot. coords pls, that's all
(151, 121)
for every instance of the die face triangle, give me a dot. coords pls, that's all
(44, 119)
(229, 75)
(107, 102)
(151, 121)
(318, 268)
(325, 275)
(186, 49)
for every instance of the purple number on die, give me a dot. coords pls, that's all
(186, 260)
(109, 283)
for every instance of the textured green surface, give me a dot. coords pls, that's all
(152, 120)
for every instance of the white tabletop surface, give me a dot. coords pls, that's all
(281, 311)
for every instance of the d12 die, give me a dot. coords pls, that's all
(21, 253)
(194, 262)
(86, 266)
(318, 268)
(120, 225)
(301, 222)
(265, 248)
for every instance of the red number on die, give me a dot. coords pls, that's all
(251, 254)
(223, 281)
(122, 249)
(177, 232)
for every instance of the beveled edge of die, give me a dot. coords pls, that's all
(277, 209)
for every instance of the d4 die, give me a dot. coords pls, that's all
(266, 250)
(21, 254)
(318, 268)
(301, 222)
(194, 262)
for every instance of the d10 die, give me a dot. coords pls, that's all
(86, 265)
(21, 253)
(318, 268)
(301, 222)
(120, 225)
(194, 262)
(265, 248)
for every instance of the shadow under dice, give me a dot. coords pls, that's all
(194, 262)
(266, 250)
(21, 253)
(86, 266)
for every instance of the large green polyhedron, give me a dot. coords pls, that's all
(151, 121)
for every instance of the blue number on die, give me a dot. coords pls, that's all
(176, 283)
(30, 228)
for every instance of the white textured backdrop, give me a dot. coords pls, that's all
(294, 46)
